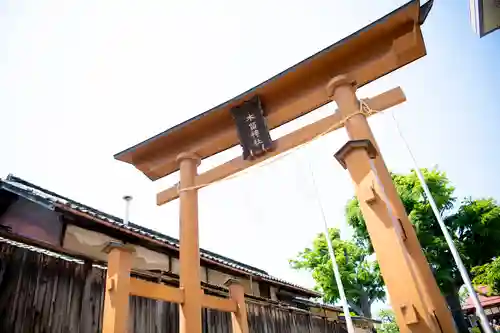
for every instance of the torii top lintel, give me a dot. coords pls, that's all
(372, 52)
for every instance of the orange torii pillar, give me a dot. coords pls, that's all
(414, 293)
(190, 297)
(194, 298)
(239, 318)
(189, 257)
(116, 298)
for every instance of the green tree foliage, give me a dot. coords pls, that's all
(463, 293)
(416, 204)
(361, 277)
(488, 275)
(388, 325)
(475, 226)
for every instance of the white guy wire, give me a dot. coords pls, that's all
(463, 271)
(336, 273)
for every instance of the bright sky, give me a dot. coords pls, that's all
(83, 80)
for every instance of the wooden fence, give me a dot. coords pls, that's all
(44, 294)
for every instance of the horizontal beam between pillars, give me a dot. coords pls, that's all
(303, 135)
(218, 303)
(156, 291)
(165, 293)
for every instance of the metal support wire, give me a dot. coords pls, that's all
(336, 273)
(463, 271)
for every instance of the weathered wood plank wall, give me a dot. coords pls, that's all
(43, 294)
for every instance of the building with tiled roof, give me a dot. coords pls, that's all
(490, 304)
(39, 220)
(77, 229)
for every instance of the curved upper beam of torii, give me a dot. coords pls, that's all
(370, 53)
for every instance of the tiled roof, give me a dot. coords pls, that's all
(52, 200)
(486, 301)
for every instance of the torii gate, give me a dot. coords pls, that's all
(330, 75)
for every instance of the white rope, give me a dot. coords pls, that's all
(364, 109)
(463, 271)
(336, 272)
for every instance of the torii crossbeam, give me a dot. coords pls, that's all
(330, 75)
(286, 143)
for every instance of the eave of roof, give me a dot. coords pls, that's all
(138, 153)
(486, 301)
(52, 200)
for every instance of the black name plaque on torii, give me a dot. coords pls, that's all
(253, 133)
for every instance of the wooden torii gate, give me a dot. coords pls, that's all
(330, 75)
